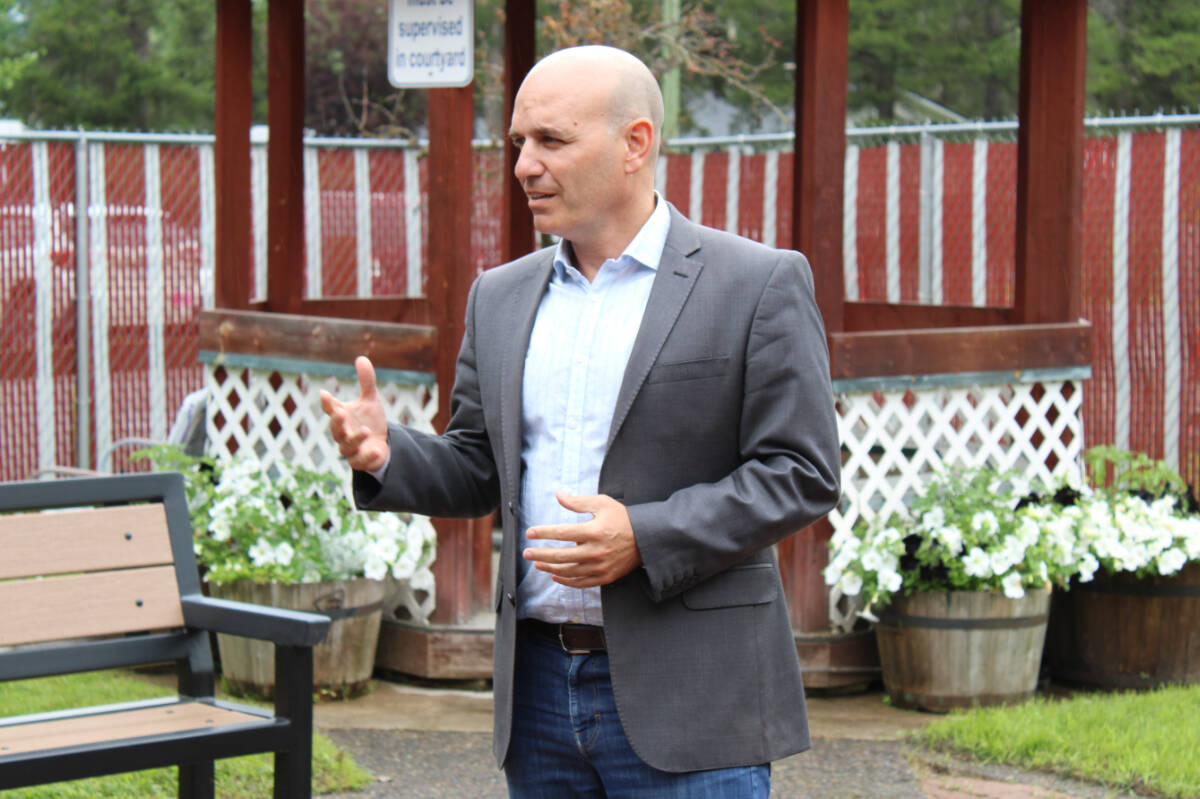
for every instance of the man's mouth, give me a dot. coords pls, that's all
(534, 196)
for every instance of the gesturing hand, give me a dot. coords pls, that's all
(359, 427)
(605, 548)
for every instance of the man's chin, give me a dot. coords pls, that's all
(545, 225)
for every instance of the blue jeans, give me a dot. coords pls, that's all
(567, 739)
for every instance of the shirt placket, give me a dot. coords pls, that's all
(579, 369)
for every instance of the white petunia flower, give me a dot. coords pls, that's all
(284, 553)
(890, 580)
(985, 522)
(976, 563)
(1012, 586)
(1087, 567)
(1171, 561)
(851, 584)
(951, 538)
(872, 560)
(933, 519)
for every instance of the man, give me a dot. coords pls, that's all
(648, 403)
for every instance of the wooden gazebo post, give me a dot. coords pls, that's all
(463, 566)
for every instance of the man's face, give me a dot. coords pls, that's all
(571, 156)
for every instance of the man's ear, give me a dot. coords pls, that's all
(639, 144)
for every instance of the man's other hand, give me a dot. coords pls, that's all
(605, 548)
(359, 427)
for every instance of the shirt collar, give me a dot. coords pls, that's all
(646, 247)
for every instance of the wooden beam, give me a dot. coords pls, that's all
(520, 45)
(277, 335)
(234, 103)
(285, 156)
(821, 73)
(1049, 222)
(463, 565)
(405, 310)
(891, 316)
(1013, 348)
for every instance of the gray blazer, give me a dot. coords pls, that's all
(723, 442)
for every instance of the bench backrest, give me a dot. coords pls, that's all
(86, 562)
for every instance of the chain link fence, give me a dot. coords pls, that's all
(929, 218)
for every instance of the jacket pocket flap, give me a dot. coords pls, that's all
(688, 370)
(753, 584)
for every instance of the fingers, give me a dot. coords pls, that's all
(358, 428)
(328, 402)
(605, 546)
(586, 504)
(366, 378)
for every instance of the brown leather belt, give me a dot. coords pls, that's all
(575, 639)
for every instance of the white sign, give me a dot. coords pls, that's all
(431, 43)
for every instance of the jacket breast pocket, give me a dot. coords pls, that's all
(750, 584)
(688, 370)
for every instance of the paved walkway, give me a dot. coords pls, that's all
(435, 743)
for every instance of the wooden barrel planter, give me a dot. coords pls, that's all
(957, 649)
(1126, 632)
(342, 663)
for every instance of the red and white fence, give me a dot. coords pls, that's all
(929, 217)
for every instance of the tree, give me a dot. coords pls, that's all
(1142, 55)
(109, 64)
(701, 44)
(965, 56)
(347, 88)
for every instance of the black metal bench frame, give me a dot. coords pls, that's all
(287, 732)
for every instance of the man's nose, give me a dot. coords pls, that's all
(528, 165)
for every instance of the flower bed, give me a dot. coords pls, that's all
(977, 530)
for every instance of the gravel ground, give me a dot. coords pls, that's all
(455, 765)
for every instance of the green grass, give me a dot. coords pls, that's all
(1149, 742)
(248, 777)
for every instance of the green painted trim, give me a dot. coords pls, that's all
(344, 371)
(959, 379)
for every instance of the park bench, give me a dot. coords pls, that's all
(99, 573)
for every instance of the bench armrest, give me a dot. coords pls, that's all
(278, 625)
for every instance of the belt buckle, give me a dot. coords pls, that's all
(567, 649)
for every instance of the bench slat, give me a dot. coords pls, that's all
(84, 605)
(106, 727)
(83, 540)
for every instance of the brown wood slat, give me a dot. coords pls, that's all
(84, 605)
(87, 540)
(960, 349)
(387, 344)
(173, 718)
(862, 316)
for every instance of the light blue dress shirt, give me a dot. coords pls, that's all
(581, 341)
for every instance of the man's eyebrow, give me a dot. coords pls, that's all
(541, 131)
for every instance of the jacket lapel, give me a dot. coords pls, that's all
(677, 273)
(521, 313)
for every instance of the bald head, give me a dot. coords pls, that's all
(631, 90)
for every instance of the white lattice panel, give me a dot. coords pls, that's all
(277, 416)
(895, 438)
